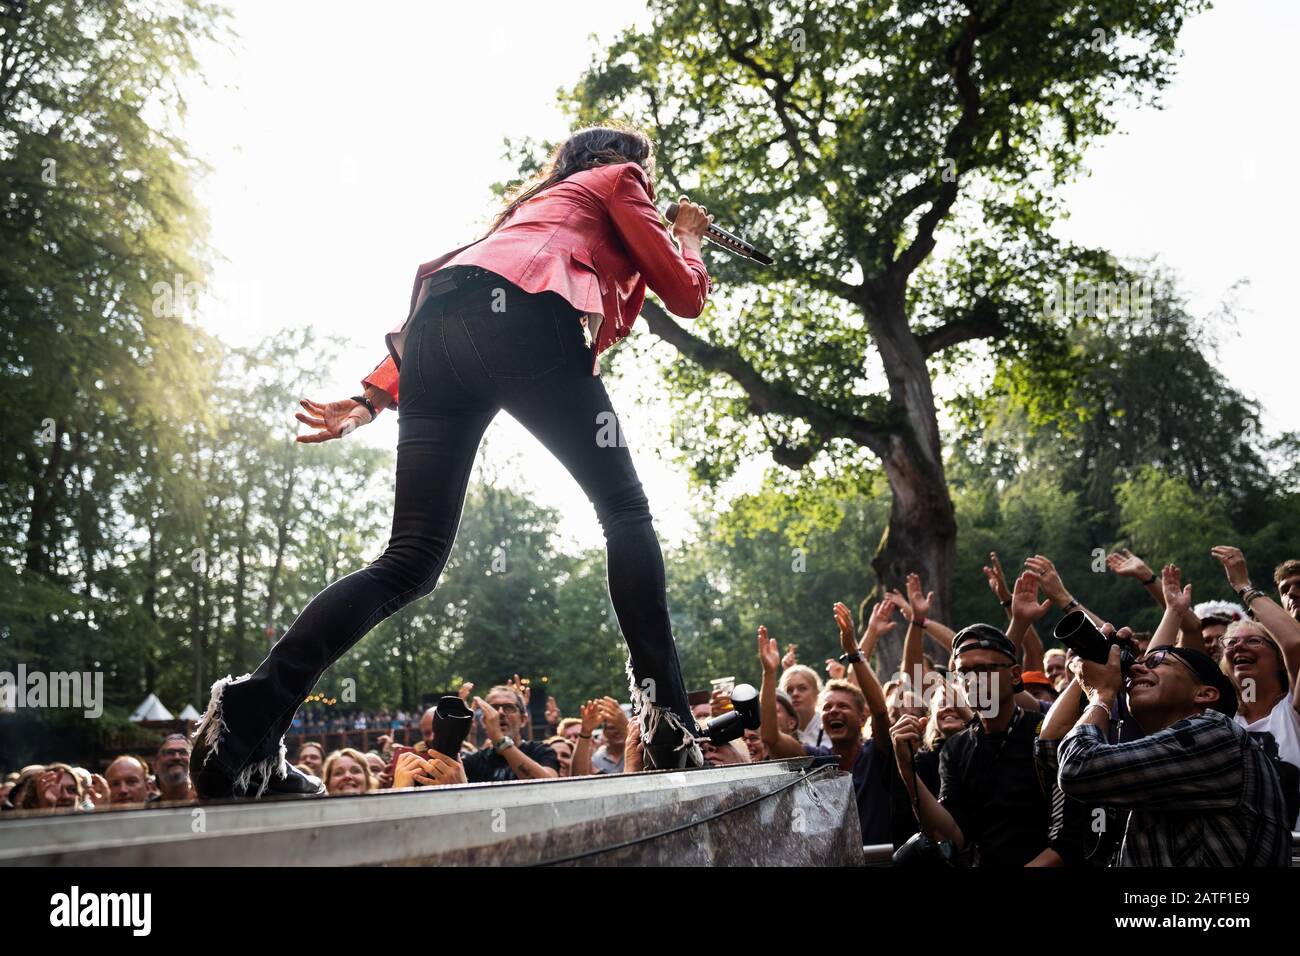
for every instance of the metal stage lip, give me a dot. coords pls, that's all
(776, 813)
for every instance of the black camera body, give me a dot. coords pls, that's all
(1077, 632)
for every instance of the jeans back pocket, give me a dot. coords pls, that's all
(518, 342)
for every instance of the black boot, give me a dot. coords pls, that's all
(294, 783)
(667, 744)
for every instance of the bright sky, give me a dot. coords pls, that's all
(349, 144)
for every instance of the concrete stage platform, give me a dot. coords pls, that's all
(779, 813)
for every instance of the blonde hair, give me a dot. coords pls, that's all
(938, 701)
(1283, 674)
(839, 684)
(803, 669)
(351, 754)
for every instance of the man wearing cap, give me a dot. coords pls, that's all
(1197, 790)
(991, 800)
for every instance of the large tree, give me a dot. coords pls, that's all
(901, 160)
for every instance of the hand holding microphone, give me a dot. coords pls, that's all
(691, 222)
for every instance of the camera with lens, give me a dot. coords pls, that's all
(1077, 632)
(744, 715)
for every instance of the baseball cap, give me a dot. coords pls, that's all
(1208, 671)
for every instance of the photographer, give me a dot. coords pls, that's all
(1197, 790)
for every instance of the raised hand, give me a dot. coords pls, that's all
(834, 669)
(997, 579)
(99, 791)
(769, 654)
(612, 713)
(920, 603)
(465, 690)
(1177, 597)
(520, 688)
(1048, 577)
(1234, 565)
(904, 607)
(1025, 606)
(491, 719)
(1126, 564)
(848, 635)
(790, 658)
(47, 787)
(332, 419)
(590, 717)
(553, 714)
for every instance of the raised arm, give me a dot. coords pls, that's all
(778, 744)
(1126, 564)
(941, 633)
(679, 278)
(580, 765)
(913, 663)
(867, 680)
(1178, 602)
(1054, 587)
(1032, 643)
(1268, 612)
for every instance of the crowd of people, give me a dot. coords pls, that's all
(1177, 747)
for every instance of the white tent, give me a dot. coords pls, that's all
(189, 713)
(151, 708)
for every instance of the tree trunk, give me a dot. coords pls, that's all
(922, 532)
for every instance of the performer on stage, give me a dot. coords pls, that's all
(514, 321)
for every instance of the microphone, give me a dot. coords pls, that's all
(733, 244)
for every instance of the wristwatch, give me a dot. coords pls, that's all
(853, 658)
(505, 743)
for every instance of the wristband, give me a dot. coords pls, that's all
(1151, 581)
(1098, 704)
(1074, 602)
(370, 406)
(585, 736)
(919, 622)
(855, 657)
(1248, 594)
(1006, 603)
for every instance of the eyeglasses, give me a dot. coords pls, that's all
(1156, 658)
(175, 752)
(1253, 640)
(506, 708)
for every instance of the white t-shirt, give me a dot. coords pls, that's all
(1284, 724)
(812, 736)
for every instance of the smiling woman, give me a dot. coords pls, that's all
(347, 772)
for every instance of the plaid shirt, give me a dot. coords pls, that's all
(1198, 793)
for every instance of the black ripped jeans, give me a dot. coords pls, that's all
(467, 356)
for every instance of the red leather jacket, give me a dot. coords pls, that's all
(596, 239)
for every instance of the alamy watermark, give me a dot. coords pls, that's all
(79, 690)
(1089, 299)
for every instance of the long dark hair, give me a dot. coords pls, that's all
(585, 149)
